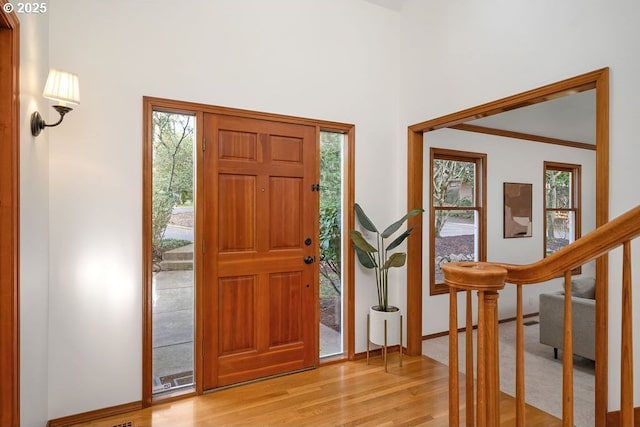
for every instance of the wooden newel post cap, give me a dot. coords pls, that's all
(481, 276)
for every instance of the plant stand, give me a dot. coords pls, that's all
(384, 346)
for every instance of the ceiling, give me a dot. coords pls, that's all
(389, 4)
(571, 118)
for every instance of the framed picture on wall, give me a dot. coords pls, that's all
(517, 209)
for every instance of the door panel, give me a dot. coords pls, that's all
(260, 303)
(285, 210)
(237, 311)
(237, 145)
(237, 221)
(285, 149)
(285, 314)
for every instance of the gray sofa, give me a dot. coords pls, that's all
(583, 313)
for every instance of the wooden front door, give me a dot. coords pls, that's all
(260, 240)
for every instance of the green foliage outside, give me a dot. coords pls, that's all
(558, 194)
(173, 136)
(169, 244)
(330, 213)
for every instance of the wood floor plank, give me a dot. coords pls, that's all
(346, 394)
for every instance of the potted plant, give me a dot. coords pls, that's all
(380, 258)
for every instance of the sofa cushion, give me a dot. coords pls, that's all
(583, 287)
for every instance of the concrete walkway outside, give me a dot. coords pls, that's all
(173, 325)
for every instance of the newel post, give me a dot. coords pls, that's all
(487, 279)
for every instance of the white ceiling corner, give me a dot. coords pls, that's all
(389, 4)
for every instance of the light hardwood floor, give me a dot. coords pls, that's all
(345, 394)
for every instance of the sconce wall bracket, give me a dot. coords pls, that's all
(37, 122)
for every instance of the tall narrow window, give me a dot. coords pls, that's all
(457, 216)
(332, 145)
(561, 205)
(172, 242)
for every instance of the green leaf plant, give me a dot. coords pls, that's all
(378, 256)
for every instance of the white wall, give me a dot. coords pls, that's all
(343, 60)
(34, 221)
(322, 59)
(457, 54)
(508, 160)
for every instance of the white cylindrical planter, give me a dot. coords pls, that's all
(376, 326)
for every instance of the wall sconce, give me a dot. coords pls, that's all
(62, 87)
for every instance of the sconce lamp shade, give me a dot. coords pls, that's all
(63, 87)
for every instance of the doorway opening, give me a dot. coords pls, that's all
(598, 80)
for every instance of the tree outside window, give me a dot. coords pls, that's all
(562, 205)
(173, 139)
(457, 211)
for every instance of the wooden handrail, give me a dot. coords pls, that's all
(589, 247)
(489, 278)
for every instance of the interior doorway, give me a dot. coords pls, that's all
(598, 80)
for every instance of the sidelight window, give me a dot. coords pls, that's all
(332, 146)
(172, 238)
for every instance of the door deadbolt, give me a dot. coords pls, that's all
(308, 241)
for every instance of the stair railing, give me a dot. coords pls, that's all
(488, 279)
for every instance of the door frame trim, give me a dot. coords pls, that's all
(149, 105)
(598, 79)
(9, 212)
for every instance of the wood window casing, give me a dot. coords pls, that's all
(576, 203)
(575, 199)
(479, 206)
